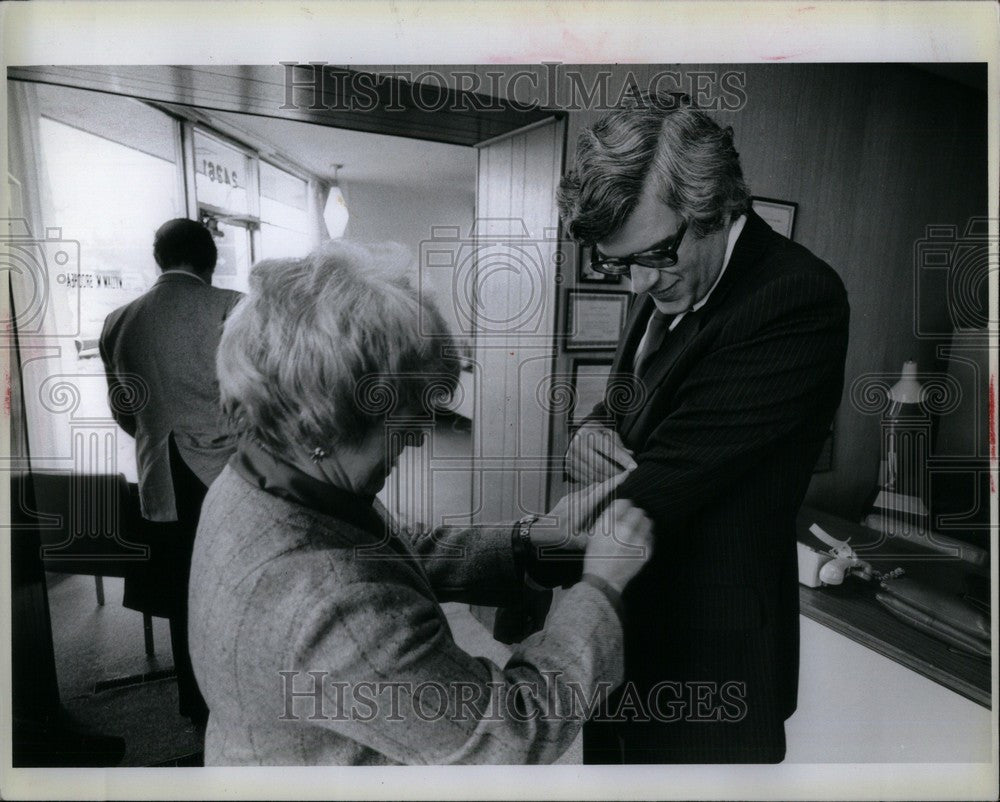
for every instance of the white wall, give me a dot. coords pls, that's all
(404, 215)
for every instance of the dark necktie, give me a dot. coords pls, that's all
(656, 331)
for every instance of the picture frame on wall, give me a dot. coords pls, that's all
(587, 275)
(589, 378)
(594, 320)
(778, 214)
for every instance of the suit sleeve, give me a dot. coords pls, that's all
(398, 684)
(118, 392)
(779, 364)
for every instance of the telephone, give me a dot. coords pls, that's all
(825, 560)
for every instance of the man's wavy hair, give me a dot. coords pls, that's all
(326, 348)
(660, 138)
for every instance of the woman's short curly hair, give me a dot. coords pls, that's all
(658, 138)
(325, 348)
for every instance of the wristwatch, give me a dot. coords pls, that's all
(523, 536)
(543, 572)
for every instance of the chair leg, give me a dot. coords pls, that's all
(147, 631)
(99, 584)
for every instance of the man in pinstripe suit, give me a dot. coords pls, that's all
(735, 342)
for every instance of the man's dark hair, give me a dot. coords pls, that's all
(184, 242)
(659, 138)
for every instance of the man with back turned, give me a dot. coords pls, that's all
(166, 340)
(735, 344)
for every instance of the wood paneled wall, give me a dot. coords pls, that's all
(873, 154)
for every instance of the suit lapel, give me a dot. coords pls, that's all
(661, 362)
(621, 365)
(635, 327)
(751, 244)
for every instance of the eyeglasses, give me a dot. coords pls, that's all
(662, 254)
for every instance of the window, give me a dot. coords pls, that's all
(284, 213)
(111, 179)
(111, 171)
(232, 266)
(222, 175)
(111, 199)
(226, 193)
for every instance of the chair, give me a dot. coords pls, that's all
(87, 524)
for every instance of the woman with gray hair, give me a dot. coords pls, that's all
(316, 631)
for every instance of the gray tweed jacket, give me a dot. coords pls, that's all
(318, 640)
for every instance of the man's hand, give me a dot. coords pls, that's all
(620, 546)
(597, 453)
(565, 527)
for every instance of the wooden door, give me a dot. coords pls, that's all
(512, 296)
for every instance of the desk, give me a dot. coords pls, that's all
(851, 610)
(858, 707)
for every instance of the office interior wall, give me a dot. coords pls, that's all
(380, 212)
(872, 154)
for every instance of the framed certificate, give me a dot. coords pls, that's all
(594, 320)
(778, 214)
(590, 378)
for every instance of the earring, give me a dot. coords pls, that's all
(318, 454)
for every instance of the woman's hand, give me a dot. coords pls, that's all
(620, 544)
(564, 527)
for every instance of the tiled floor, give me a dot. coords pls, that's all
(95, 644)
(146, 717)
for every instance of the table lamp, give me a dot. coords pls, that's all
(897, 506)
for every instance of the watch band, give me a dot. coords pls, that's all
(521, 543)
(537, 571)
(524, 534)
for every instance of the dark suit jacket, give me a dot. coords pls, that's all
(726, 430)
(159, 354)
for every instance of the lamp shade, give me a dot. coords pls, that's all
(908, 389)
(335, 213)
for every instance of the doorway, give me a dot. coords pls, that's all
(258, 204)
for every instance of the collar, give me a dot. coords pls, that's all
(188, 273)
(269, 472)
(734, 234)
